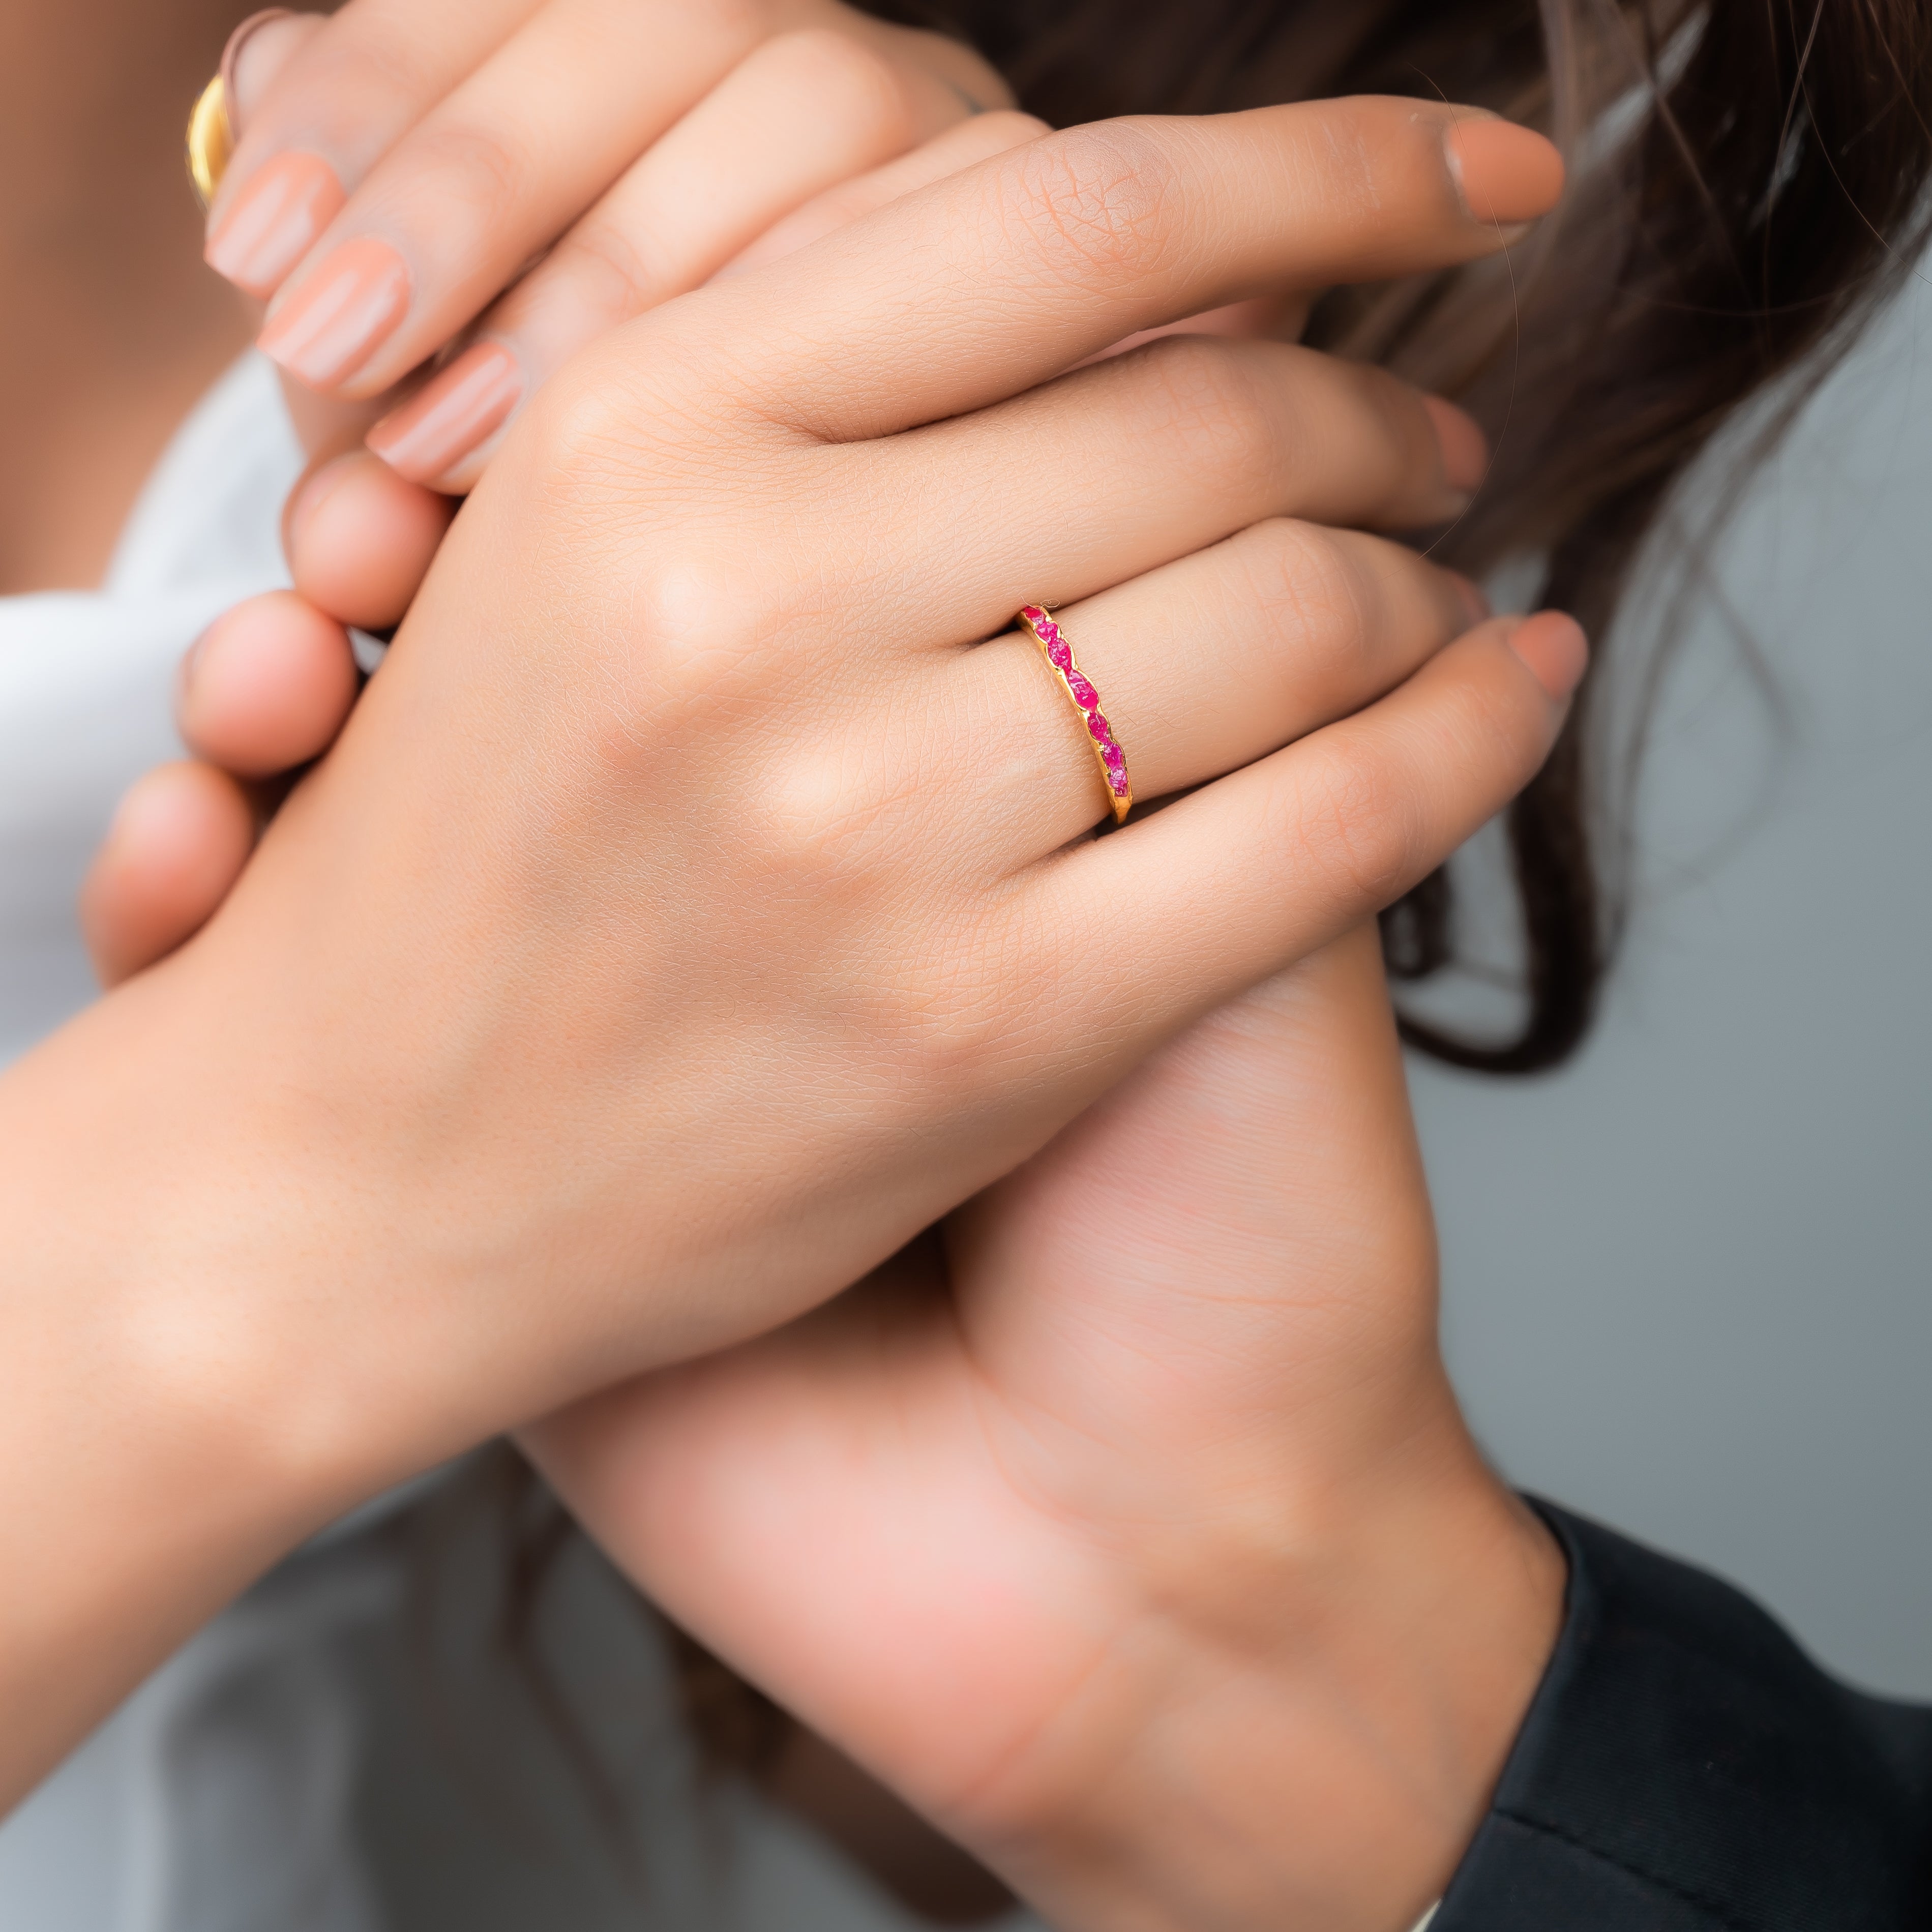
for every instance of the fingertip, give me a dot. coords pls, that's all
(1506, 174)
(265, 688)
(1553, 645)
(177, 842)
(359, 539)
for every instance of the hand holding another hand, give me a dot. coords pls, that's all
(787, 747)
(695, 908)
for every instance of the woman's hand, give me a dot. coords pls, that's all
(857, 823)
(1163, 1417)
(694, 909)
(400, 166)
(1131, 1531)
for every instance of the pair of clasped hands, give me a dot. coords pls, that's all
(698, 907)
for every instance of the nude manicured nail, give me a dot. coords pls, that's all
(1553, 645)
(445, 421)
(1507, 174)
(328, 324)
(274, 221)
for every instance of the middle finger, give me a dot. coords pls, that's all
(1117, 468)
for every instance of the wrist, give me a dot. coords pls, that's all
(1317, 1749)
(180, 1402)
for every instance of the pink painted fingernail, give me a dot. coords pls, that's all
(445, 420)
(1553, 645)
(327, 325)
(274, 221)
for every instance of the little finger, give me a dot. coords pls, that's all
(1132, 462)
(1261, 867)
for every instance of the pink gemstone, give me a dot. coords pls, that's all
(1115, 758)
(1058, 652)
(1033, 615)
(1118, 781)
(1085, 695)
(1098, 727)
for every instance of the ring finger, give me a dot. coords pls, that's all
(1198, 668)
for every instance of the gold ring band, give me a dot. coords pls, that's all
(211, 139)
(1058, 653)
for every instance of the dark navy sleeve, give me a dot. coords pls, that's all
(1685, 1767)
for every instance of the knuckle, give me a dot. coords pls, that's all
(1204, 398)
(1356, 822)
(578, 432)
(477, 166)
(1094, 201)
(946, 1016)
(681, 655)
(1305, 582)
(603, 273)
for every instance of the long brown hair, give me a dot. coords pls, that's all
(1747, 186)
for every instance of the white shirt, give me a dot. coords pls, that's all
(348, 1748)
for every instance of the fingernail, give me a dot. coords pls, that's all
(1506, 174)
(1553, 645)
(1465, 450)
(328, 324)
(445, 420)
(274, 221)
(231, 61)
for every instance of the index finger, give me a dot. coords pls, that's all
(1000, 277)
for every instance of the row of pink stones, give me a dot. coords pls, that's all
(1059, 653)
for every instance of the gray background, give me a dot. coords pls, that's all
(1688, 1279)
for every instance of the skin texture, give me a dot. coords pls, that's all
(1129, 1529)
(260, 696)
(547, 879)
(290, 711)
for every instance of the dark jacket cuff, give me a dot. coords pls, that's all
(1685, 1767)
